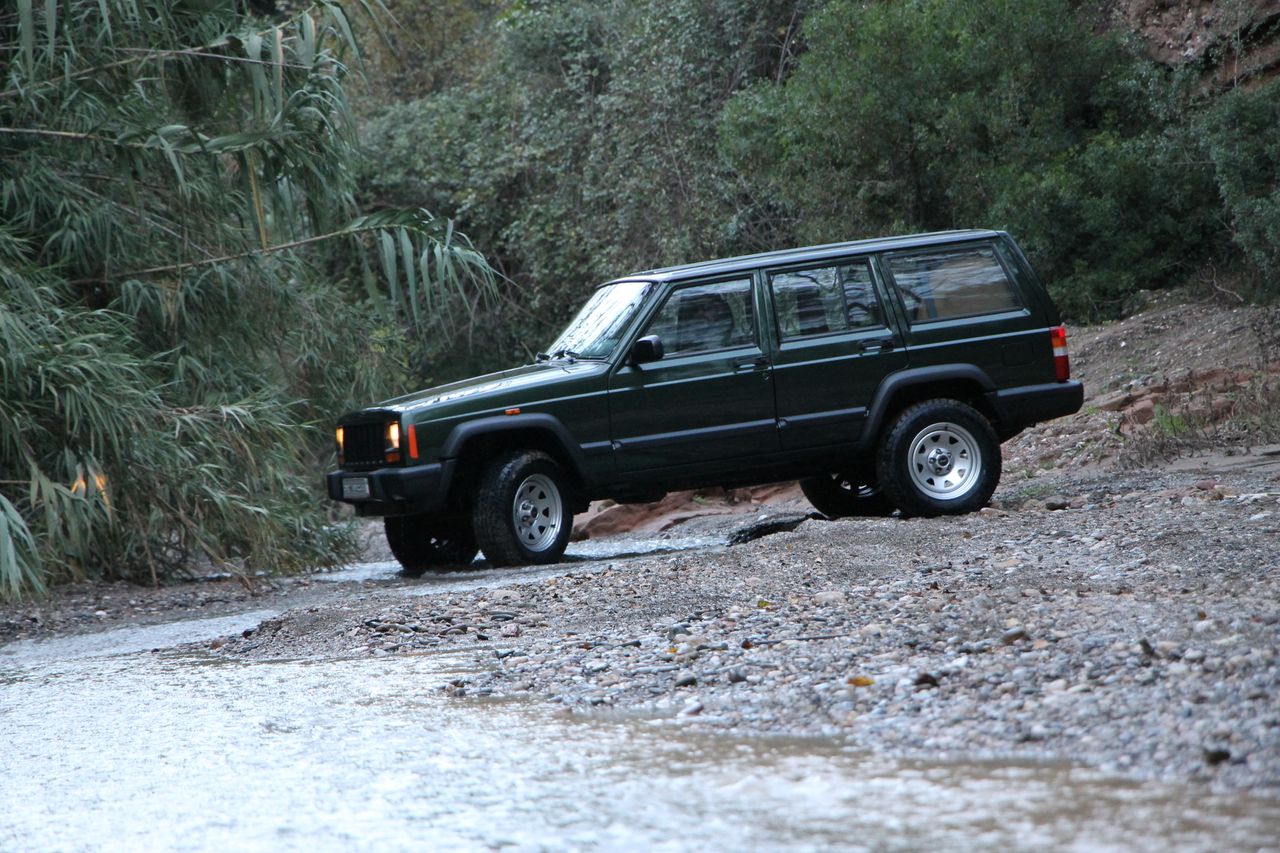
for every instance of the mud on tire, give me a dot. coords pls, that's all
(521, 513)
(939, 457)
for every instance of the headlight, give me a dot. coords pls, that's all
(393, 442)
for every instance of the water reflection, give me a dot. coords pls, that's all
(192, 752)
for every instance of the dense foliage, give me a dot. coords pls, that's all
(168, 332)
(1014, 114)
(581, 140)
(583, 143)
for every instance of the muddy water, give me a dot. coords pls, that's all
(105, 744)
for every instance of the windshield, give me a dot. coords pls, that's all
(595, 332)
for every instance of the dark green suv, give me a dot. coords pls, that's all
(881, 373)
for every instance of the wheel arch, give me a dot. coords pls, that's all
(964, 382)
(472, 443)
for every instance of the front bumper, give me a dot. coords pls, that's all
(396, 491)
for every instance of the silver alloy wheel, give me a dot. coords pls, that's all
(945, 461)
(537, 512)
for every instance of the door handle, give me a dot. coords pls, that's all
(758, 363)
(878, 345)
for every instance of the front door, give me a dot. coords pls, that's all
(710, 398)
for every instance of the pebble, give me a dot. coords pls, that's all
(1014, 634)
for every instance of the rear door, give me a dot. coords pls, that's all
(710, 398)
(835, 343)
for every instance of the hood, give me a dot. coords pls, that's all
(519, 382)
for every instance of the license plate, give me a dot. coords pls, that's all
(355, 487)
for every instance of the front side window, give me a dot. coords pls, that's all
(952, 282)
(706, 317)
(828, 299)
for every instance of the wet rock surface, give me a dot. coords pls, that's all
(1133, 625)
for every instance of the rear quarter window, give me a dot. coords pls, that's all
(960, 281)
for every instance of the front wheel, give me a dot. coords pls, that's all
(423, 544)
(846, 495)
(521, 514)
(939, 457)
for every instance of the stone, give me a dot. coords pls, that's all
(685, 678)
(1014, 634)
(1141, 412)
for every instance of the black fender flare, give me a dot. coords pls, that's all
(466, 431)
(910, 377)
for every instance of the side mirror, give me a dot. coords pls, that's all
(648, 348)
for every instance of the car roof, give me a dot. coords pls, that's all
(808, 253)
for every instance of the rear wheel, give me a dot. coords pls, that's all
(521, 514)
(422, 544)
(939, 457)
(846, 495)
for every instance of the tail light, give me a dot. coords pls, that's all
(1061, 361)
(339, 434)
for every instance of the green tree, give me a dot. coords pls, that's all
(175, 177)
(935, 114)
(1241, 135)
(583, 146)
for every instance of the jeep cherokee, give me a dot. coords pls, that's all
(883, 374)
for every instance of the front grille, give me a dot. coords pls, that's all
(364, 446)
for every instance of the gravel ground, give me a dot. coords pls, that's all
(1129, 622)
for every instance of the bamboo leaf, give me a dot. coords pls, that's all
(27, 38)
(51, 28)
(344, 26)
(410, 272)
(389, 265)
(106, 20)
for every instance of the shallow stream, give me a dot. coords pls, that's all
(109, 745)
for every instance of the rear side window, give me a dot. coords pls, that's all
(952, 282)
(824, 300)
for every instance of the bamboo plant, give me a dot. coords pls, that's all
(177, 307)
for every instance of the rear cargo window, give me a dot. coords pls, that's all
(952, 282)
(827, 299)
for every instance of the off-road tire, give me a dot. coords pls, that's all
(939, 457)
(847, 495)
(423, 544)
(521, 514)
